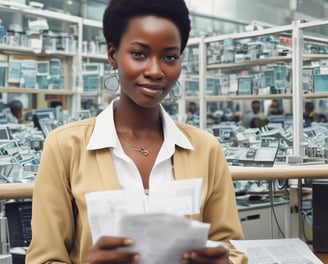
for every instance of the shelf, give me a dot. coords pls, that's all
(92, 23)
(7, 49)
(25, 190)
(101, 57)
(191, 97)
(58, 53)
(316, 95)
(89, 93)
(224, 98)
(315, 57)
(11, 6)
(280, 30)
(35, 91)
(233, 65)
(17, 50)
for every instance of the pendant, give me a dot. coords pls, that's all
(143, 151)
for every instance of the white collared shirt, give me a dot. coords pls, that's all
(105, 136)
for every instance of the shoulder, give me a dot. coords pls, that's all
(81, 129)
(196, 135)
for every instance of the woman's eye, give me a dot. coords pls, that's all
(137, 53)
(171, 58)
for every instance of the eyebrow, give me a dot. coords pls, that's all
(147, 47)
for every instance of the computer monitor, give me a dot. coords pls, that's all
(83, 114)
(320, 215)
(49, 113)
(46, 113)
(19, 214)
(4, 134)
(284, 121)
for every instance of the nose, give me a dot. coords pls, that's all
(153, 69)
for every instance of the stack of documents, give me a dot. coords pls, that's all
(277, 251)
(156, 222)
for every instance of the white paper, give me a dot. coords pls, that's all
(155, 222)
(106, 207)
(177, 197)
(277, 251)
(162, 238)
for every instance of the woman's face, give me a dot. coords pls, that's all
(148, 59)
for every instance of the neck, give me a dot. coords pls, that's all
(137, 120)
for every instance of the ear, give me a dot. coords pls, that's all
(111, 53)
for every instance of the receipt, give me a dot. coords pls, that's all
(162, 238)
(177, 197)
(155, 222)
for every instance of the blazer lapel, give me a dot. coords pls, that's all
(183, 170)
(107, 169)
(180, 165)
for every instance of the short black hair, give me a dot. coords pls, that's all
(15, 105)
(254, 102)
(119, 12)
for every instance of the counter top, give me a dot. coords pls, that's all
(24, 190)
(280, 172)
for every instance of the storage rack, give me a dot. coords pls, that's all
(72, 61)
(296, 59)
(69, 59)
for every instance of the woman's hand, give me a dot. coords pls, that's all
(209, 255)
(106, 251)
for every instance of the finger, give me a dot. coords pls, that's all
(197, 259)
(209, 256)
(110, 256)
(213, 252)
(105, 251)
(107, 242)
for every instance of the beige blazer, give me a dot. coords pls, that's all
(68, 171)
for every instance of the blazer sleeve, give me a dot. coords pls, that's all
(52, 215)
(221, 207)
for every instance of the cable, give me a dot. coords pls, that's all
(304, 214)
(273, 212)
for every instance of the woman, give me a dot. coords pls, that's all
(133, 142)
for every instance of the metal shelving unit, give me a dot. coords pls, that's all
(294, 61)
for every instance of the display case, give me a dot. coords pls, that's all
(286, 64)
(183, 103)
(95, 66)
(250, 66)
(312, 63)
(77, 46)
(38, 54)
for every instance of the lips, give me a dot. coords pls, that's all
(151, 86)
(151, 89)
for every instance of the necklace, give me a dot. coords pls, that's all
(142, 150)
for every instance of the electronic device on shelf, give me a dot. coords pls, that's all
(19, 214)
(83, 114)
(248, 157)
(4, 134)
(46, 115)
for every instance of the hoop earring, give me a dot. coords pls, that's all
(111, 83)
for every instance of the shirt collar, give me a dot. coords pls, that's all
(104, 134)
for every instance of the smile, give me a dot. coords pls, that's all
(152, 90)
(151, 86)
